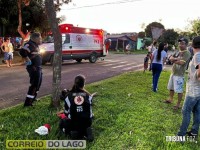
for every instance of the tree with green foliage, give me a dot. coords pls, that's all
(8, 9)
(194, 27)
(169, 36)
(32, 15)
(153, 24)
(141, 34)
(185, 34)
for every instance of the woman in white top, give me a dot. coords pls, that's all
(158, 59)
(7, 48)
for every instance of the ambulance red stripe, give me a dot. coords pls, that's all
(77, 51)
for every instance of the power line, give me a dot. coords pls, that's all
(110, 3)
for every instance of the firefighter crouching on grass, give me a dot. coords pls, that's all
(30, 52)
(77, 117)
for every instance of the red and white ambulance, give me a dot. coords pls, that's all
(77, 43)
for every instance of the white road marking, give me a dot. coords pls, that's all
(123, 65)
(129, 68)
(119, 64)
(115, 63)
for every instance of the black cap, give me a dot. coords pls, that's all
(183, 40)
(196, 42)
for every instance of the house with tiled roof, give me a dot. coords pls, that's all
(120, 41)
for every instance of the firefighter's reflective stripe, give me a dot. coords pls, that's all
(90, 100)
(35, 53)
(68, 104)
(77, 105)
(30, 96)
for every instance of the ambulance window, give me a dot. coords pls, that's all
(48, 39)
(65, 38)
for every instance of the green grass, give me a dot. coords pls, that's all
(128, 115)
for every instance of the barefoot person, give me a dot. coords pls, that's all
(7, 48)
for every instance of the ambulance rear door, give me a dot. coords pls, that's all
(66, 46)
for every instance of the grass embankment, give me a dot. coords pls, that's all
(128, 115)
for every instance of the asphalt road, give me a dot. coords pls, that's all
(15, 81)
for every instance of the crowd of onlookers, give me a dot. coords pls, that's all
(187, 57)
(76, 119)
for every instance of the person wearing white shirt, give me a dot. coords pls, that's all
(158, 59)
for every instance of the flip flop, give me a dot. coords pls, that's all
(167, 101)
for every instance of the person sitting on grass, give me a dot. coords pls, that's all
(77, 117)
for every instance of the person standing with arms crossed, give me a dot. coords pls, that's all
(192, 98)
(30, 52)
(176, 80)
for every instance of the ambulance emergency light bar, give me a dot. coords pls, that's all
(69, 28)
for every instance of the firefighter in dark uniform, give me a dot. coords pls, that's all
(30, 52)
(78, 111)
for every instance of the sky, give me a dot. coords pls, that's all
(117, 16)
